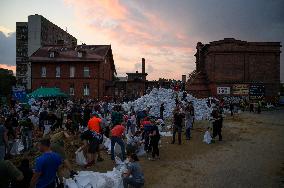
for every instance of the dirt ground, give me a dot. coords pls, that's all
(250, 155)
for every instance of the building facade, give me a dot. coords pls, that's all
(32, 35)
(232, 67)
(83, 71)
(135, 85)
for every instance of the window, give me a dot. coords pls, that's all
(51, 54)
(86, 90)
(86, 72)
(72, 72)
(57, 72)
(43, 72)
(71, 90)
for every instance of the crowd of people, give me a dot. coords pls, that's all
(47, 124)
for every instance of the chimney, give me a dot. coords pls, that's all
(183, 78)
(143, 65)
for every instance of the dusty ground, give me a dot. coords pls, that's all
(251, 155)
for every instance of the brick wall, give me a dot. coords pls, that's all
(100, 73)
(229, 61)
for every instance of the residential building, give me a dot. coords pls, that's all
(32, 35)
(83, 71)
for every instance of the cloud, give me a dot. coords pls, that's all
(134, 32)
(7, 49)
(10, 67)
(5, 31)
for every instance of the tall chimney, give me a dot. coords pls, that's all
(143, 65)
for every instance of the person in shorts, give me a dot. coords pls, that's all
(91, 144)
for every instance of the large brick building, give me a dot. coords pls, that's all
(83, 71)
(232, 67)
(32, 35)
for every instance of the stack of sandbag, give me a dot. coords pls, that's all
(156, 97)
(90, 179)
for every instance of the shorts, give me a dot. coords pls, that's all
(93, 147)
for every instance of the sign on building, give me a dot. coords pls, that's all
(240, 89)
(223, 90)
(256, 92)
(19, 93)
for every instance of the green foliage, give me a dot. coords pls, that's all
(7, 80)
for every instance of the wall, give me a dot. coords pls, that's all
(100, 73)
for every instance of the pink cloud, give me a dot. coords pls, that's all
(9, 67)
(134, 33)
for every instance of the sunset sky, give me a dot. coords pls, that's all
(164, 32)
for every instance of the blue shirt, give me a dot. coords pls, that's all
(47, 164)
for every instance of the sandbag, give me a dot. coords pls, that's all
(46, 129)
(80, 157)
(17, 147)
(117, 149)
(107, 143)
(207, 137)
(141, 151)
(70, 183)
(90, 179)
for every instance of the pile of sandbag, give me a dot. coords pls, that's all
(156, 97)
(90, 179)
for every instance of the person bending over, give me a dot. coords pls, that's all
(134, 176)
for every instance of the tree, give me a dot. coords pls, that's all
(7, 80)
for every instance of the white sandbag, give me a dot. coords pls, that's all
(17, 147)
(117, 149)
(156, 97)
(80, 158)
(90, 179)
(83, 181)
(20, 146)
(46, 129)
(168, 133)
(118, 161)
(70, 183)
(141, 152)
(207, 137)
(107, 143)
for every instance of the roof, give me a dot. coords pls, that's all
(137, 73)
(70, 53)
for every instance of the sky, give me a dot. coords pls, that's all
(164, 32)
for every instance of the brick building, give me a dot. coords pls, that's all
(135, 85)
(83, 71)
(232, 67)
(32, 35)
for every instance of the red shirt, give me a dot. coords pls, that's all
(118, 131)
(94, 124)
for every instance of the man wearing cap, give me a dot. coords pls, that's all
(46, 166)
